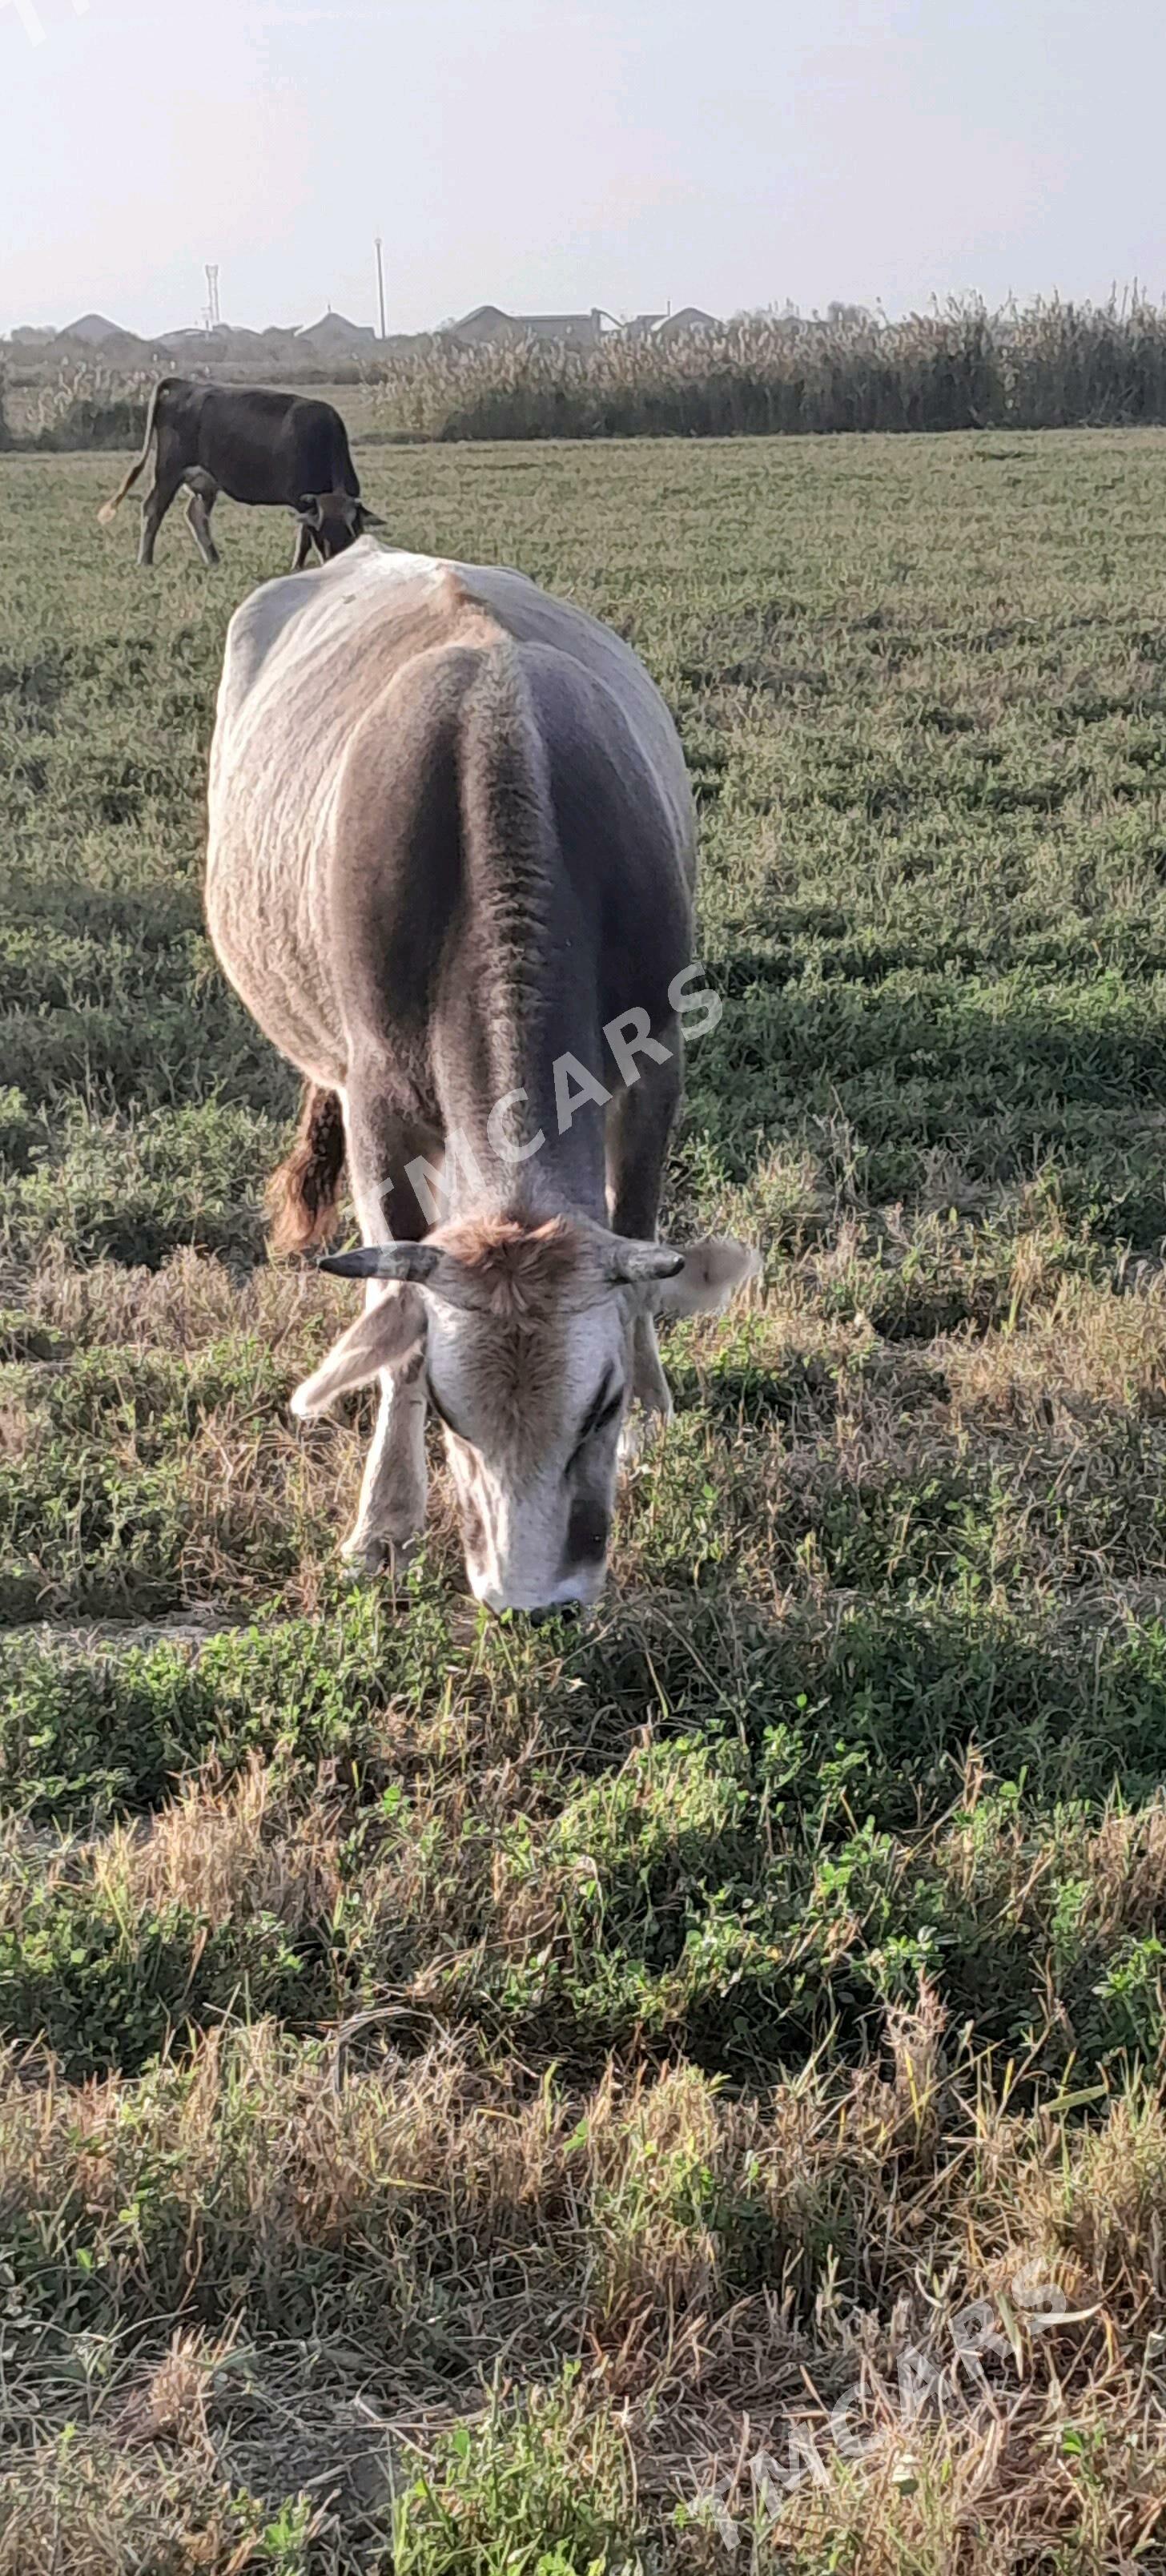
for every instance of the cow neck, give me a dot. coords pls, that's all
(484, 1057)
(565, 1178)
(520, 982)
(492, 1189)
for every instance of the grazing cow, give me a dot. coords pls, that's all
(450, 872)
(276, 449)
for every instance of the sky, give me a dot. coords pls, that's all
(548, 155)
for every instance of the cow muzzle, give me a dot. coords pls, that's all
(573, 1594)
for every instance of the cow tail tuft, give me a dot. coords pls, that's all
(302, 1195)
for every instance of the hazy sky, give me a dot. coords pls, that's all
(552, 154)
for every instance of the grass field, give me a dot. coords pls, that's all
(477, 2100)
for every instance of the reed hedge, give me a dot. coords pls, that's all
(1053, 365)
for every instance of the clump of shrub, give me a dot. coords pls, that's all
(84, 406)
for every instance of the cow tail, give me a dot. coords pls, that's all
(302, 1195)
(110, 508)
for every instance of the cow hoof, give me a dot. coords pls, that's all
(368, 1557)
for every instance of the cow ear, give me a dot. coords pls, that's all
(308, 509)
(709, 1274)
(369, 518)
(382, 1338)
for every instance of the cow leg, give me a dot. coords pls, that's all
(198, 519)
(391, 1510)
(639, 1124)
(154, 509)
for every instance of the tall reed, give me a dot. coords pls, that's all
(1051, 366)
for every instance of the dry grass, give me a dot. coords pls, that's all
(76, 405)
(626, 2217)
(191, 1303)
(221, 1853)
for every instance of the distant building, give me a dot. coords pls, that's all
(669, 326)
(407, 344)
(486, 323)
(94, 329)
(334, 336)
(489, 327)
(195, 342)
(225, 340)
(674, 326)
(105, 341)
(335, 341)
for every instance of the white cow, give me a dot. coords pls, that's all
(450, 872)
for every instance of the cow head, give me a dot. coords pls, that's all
(529, 1334)
(334, 521)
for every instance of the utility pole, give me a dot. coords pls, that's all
(381, 283)
(212, 295)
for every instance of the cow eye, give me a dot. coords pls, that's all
(441, 1413)
(603, 1411)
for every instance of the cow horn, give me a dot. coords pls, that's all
(407, 1261)
(421, 1265)
(630, 1265)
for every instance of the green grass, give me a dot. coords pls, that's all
(470, 2089)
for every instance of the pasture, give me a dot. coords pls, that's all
(477, 2099)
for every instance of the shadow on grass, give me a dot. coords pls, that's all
(1006, 1076)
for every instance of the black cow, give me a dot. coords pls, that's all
(255, 445)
